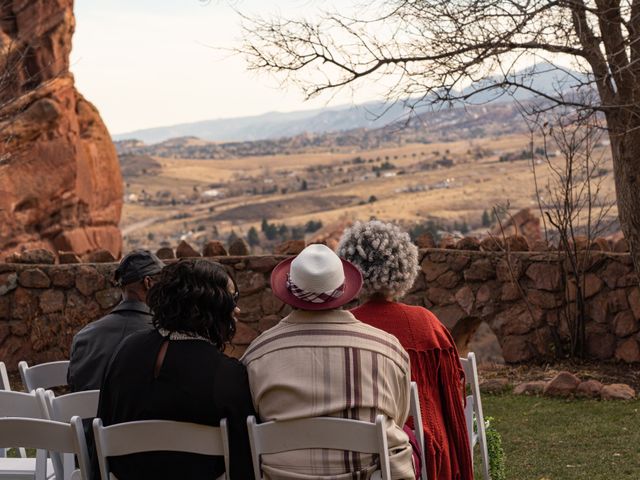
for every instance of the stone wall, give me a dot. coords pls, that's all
(522, 296)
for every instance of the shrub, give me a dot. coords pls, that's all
(496, 453)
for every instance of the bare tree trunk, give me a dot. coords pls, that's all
(625, 151)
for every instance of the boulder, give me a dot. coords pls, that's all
(165, 253)
(589, 389)
(245, 334)
(185, 250)
(535, 387)
(440, 296)
(239, 247)
(263, 264)
(89, 280)
(516, 243)
(63, 277)
(545, 276)
(468, 243)
(625, 323)
(100, 256)
(617, 391)
(34, 278)
(491, 244)
(517, 348)
(214, 248)
(38, 256)
(628, 351)
(290, 247)
(425, 241)
(494, 385)
(61, 182)
(634, 302)
(621, 246)
(564, 384)
(480, 270)
(601, 345)
(51, 301)
(433, 270)
(600, 245)
(465, 298)
(68, 257)
(448, 279)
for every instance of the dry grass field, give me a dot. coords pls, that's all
(405, 193)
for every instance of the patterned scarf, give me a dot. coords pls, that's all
(313, 297)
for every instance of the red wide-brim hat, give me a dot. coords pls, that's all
(352, 286)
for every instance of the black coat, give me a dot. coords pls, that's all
(94, 345)
(196, 383)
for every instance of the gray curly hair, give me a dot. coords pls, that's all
(384, 254)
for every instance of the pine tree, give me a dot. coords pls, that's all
(486, 219)
(252, 237)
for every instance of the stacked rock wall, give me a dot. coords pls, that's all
(522, 296)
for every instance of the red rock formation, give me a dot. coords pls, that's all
(524, 223)
(59, 174)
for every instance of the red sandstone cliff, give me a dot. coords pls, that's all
(60, 182)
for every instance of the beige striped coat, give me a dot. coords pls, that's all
(327, 363)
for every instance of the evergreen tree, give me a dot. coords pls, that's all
(486, 219)
(252, 237)
(231, 238)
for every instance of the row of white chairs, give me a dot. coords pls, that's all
(84, 405)
(41, 420)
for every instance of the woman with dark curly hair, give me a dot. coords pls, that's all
(178, 372)
(388, 261)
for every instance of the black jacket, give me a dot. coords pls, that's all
(196, 383)
(94, 345)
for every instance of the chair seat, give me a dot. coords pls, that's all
(19, 468)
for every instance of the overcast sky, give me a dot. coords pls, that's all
(147, 63)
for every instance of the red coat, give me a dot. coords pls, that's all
(436, 368)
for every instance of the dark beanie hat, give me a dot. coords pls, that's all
(136, 265)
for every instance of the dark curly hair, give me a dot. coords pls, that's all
(192, 296)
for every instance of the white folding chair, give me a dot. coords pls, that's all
(46, 435)
(4, 378)
(23, 405)
(473, 410)
(5, 385)
(321, 432)
(159, 435)
(44, 375)
(418, 430)
(63, 409)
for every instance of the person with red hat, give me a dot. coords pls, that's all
(320, 361)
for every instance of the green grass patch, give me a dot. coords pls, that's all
(552, 439)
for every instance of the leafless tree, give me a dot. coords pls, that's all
(572, 201)
(443, 51)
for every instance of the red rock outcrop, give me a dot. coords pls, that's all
(59, 174)
(524, 223)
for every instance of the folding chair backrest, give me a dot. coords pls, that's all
(63, 409)
(321, 432)
(19, 404)
(81, 404)
(479, 435)
(46, 435)
(418, 429)
(4, 378)
(159, 435)
(44, 375)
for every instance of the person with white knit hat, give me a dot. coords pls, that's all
(320, 361)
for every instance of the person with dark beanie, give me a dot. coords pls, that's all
(93, 346)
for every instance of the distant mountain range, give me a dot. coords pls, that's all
(372, 115)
